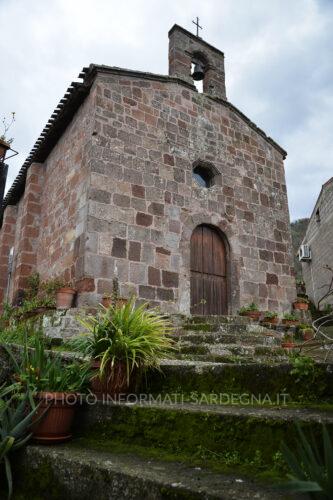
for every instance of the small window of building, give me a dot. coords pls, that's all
(205, 175)
(318, 215)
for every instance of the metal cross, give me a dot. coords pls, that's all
(197, 25)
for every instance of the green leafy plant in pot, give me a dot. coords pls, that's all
(288, 341)
(290, 319)
(55, 386)
(301, 304)
(122, 342)
(251, 310)
(270, 317)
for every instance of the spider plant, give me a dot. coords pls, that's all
(136, 336)
(311, 470)
(15, 423)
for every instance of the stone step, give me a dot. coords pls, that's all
(241, 320)
(226, 328)
(239, 359)
(186, 428)
(222, 350)
(77, 472)
(229, 338)
(188, 376)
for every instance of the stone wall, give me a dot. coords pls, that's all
(144, 204)
(64, 200)
(7, 240)
(27, 230)
(319, 236)
(46, 226)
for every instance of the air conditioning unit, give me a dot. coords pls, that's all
(304, 253)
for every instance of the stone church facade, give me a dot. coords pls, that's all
(175, 192)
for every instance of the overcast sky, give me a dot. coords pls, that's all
(279, 66)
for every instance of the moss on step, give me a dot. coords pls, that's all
(40, 484)
(257, 379)
(225, 463)
(86, 471)
(223, 439)
(202, 327)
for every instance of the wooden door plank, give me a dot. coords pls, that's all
(218, 255)
(196, 250)
(197, 294)
(207, 250)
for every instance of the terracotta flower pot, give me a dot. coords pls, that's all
(301, 306)
(290, 322)
(252, 314)
(307, 334)
(4, 146)
(57, 410)
(121, 302)
(112, 384)
(106, 301)
(65, 297)
(288, 345)
(271, 321)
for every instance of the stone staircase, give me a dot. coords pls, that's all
(228, 339)
(163, 451)
(209, 425)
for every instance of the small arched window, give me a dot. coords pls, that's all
(205, 175)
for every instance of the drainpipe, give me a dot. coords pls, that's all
(3, 178)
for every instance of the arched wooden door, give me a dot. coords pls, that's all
(208, 272)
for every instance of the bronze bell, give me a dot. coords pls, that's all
(198, 72)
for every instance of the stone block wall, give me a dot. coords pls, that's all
(64, 200)
(7, 241)
(319, 236)
(27, 230)
(144, 203)
(51, 216)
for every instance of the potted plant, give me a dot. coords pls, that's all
(4, 142)
(122, 342)
(307, 332)
(301, 303)
(106, 301)
(65, 296)
(55, 386)
(251, 311)
(300, 287)
(288, 341)
(289, 319)
(270, 317)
